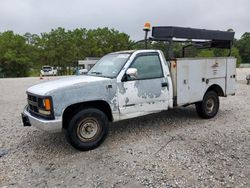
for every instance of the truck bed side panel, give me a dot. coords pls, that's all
(195, 76)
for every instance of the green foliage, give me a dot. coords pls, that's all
(235, 53)
(34, 72)
(14, 58)
(243, 46)
(205, 53)
(25, 55)
(62, 48)
(59, 48)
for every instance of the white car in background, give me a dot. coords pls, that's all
(82, 71)
(48, 71)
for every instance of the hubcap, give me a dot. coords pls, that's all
(210, 105)
(87, 129)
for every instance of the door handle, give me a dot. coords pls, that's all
(164, 84)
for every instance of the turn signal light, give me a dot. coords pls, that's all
(47, 104)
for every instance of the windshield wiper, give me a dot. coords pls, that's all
(95, 72)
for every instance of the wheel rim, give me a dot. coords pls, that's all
(87, 129)
(210, 105)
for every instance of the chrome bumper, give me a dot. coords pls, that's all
(46, 125)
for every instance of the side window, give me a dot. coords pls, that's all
(148, 66)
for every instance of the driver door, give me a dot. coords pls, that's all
(148, 92)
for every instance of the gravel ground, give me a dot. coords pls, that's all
(169, 149)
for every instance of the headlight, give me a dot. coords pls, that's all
(45, 104)
(44, 112)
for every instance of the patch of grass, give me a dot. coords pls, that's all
(34, 72)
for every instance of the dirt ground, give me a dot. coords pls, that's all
(169, 149)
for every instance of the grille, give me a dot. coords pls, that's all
(34, 104)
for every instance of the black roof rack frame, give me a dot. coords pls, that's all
(199, 38)
(166, 32)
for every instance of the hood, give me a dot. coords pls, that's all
(47, 87)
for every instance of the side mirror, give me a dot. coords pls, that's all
(132, 72)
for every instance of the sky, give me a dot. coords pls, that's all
(127, 16)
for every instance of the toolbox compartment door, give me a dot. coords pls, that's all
(231, 76)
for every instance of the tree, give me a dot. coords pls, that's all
(243, 46)
(63, 48)
(14, 58)
(235, 53)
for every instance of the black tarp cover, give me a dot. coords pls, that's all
(168, 32)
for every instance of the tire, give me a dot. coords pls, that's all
(87, 129)
(209, 106)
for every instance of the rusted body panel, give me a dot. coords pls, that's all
(78, 89)
(141, 97)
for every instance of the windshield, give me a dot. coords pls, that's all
(47, 68)
(109, 65)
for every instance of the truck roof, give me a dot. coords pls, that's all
(124, 52)
(132, 51)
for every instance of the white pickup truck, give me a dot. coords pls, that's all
(124, 85)
(48, 71)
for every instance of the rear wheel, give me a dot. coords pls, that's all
(209, 106)
(87, 129)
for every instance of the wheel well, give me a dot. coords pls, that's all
(71, 110)
(217, 89)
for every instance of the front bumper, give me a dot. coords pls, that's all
(47, 73)
(46, 125)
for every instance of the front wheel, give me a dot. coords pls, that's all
(209, 106)
(87, 129)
